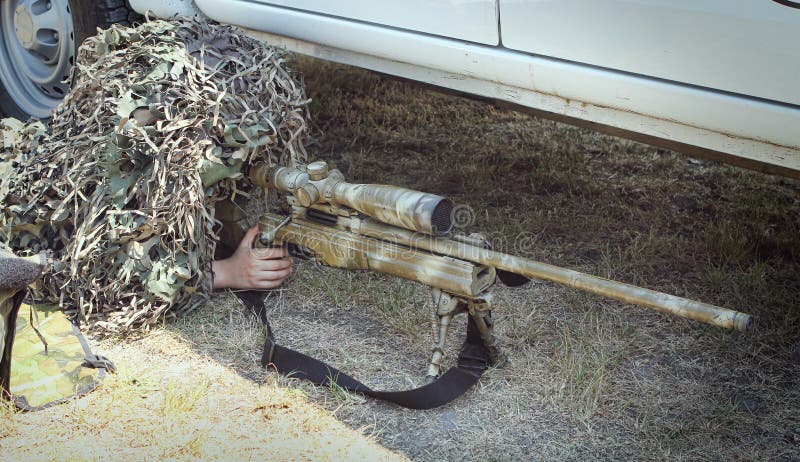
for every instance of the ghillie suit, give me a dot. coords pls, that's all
(161, 122)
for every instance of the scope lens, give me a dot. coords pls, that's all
(442, 218)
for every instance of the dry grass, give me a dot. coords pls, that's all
(169, 402)
(589, 378)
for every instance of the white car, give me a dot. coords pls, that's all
(713, 78)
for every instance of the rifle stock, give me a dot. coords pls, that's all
(340, 248)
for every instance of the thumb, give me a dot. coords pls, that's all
(249, 238)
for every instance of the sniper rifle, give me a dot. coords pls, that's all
(410, 234)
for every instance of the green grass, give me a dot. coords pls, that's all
(639, 384)
(585, 356)
(402, 305)
(180, 399)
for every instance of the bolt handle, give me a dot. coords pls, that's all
(267, 238)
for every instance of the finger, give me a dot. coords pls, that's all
(267, 253)
(272, 265)
(278, 275)
(249, 238)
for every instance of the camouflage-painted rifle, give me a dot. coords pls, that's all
(409, 234)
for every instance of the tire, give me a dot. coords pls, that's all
(38, 45)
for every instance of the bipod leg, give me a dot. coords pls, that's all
(445, 308)
(481, 312)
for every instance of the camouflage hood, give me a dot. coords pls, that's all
(161, 122)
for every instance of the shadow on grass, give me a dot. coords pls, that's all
(589, 378)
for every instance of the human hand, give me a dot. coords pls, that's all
(252, 268)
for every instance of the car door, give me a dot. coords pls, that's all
(748, 47)
(470, 20)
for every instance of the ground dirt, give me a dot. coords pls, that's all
(588, 378)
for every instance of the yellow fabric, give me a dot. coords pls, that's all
(43, 379)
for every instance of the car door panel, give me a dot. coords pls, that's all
(749, 47)
(470, 20)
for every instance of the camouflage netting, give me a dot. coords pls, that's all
(160, 123)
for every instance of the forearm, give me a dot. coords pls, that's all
(220, 274)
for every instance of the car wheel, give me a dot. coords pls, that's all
(38, 46)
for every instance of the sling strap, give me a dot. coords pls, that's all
(473, 360)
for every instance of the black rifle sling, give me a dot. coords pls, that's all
(473, 360)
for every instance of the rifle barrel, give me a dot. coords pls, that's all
(703, 312)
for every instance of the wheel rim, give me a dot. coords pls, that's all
(37, 49)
